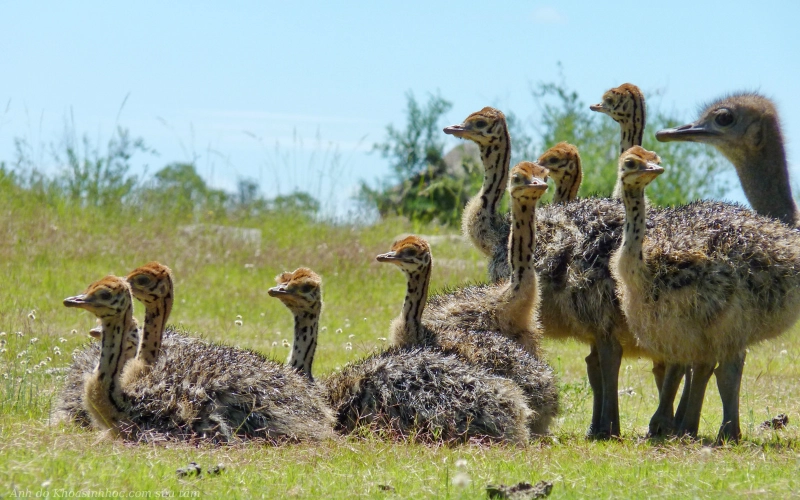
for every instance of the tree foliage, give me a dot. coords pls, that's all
(90, 176)
(421, 187)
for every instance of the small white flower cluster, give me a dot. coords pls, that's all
(461, 478)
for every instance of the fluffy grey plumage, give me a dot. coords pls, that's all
(425, 395)
(578, 238)
(212, 390)
(505, 358)
(178, 399)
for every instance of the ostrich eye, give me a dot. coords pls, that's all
(553, 160)
(608, 100)
(142, 280)
(306, 288)
(105, 295)
(629, 163)
(481, 123)
(724, 118)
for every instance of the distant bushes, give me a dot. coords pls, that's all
(87, 175)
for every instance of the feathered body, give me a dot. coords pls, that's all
(423, 394)
(715, 278)
(178, 399)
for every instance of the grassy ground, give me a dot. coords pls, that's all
(49, 253)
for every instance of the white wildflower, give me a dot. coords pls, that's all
(461, 480)
(238, 322)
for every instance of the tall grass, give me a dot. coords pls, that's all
(48, 252)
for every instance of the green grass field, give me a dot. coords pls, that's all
(48, 253)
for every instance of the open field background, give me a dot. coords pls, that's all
(50, 251)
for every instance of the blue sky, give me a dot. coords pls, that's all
(224, 83)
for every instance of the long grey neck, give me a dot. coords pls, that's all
(306, 324)
(765, 179)
(112, 345)
(416, 296)
(495, 157)
(522, 286)
(155, 318)
(633, 236)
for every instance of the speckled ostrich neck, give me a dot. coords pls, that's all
(523, 286)
(157, 312)
(306, 325)
(569, 184)
(111, 363)
(484, 219)
(633, 236)
(631, 132)
(418, 280)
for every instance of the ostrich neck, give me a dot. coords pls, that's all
(632, 258)
(306, 324)
(568, 186)
(413, 306)
(631, 132)
(480, 216)
(522, 288)
(156, 314)
(765, 180)
(112, 345)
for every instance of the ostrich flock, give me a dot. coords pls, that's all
(689, 287)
